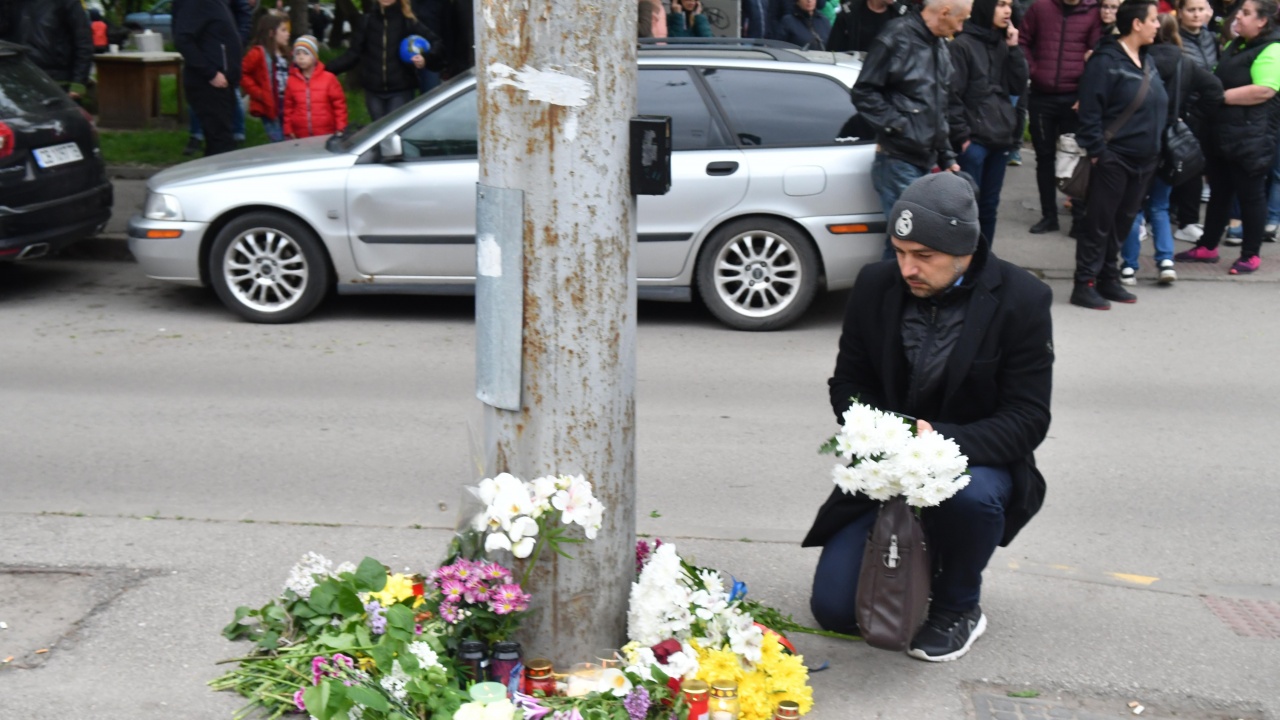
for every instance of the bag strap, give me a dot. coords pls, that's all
(1177, 91)
(1129, 111)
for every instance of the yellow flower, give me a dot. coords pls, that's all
(777, 677)
(399, 587)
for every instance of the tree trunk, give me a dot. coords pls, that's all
(557, 87)
(299, 20)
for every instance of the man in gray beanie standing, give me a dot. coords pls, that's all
(952, 335)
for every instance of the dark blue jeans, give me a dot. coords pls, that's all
(890, 176)
(963, 530)
(986, 167)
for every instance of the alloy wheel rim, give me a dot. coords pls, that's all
(265, 270)
(757, 274)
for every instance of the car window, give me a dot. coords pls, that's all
(24, 89)
(450, 130)
(672, 92)
(768, 108)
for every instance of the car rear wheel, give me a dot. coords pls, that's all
(757, 274)
(268, 268)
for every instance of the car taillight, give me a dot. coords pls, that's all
(93, 128)
(7, 140)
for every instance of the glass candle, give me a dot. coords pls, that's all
(787, 710)
(488, 692)
(724, 700)
(609, 658)
(539, 677)
(584, 678)
(696, 696)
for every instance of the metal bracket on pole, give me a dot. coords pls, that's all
(499, 295)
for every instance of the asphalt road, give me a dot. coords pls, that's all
(181, 461)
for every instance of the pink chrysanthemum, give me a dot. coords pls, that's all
(502, 606)
(494, 571)
(453, 590)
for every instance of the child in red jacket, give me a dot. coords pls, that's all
(265, 71)
(314, 103)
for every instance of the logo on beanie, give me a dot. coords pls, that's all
(902, 227)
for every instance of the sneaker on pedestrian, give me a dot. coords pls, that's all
(1244, 266)
(1235, 236)
(947, 635)
(1204, 194)
(1086, 295)
(1128, 276)
(1115, 292)
(1046, 225)
(1198, 253)
(1189, 233)
(1015, 157)
(1143, 233)
(1269, 232)
(1167, 274)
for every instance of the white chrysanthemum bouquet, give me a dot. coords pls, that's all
(886, 458)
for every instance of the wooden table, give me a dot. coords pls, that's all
(129, 87)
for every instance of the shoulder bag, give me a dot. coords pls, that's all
(1071, 164)
(1181, 157)
(893, 585)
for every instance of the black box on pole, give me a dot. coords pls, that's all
(650, 155)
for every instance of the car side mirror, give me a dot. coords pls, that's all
(391, 149)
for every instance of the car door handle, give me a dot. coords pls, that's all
(722, 168)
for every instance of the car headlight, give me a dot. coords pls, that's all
(161, 207)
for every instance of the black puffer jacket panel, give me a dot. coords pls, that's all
(902, 92)
(1245, 135)
(375, 47)
(1110, 83)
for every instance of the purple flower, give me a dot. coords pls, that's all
(637, 703)
(297, 700)
(494, 571)
(453, 590)
(319, 668)
(340, 659)
(570, 714)
(449, 613)
(478, 594)
(529, 704)
(465, 570)
(377, 620)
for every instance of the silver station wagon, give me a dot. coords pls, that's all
(770, 202)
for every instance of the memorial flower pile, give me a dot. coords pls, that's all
(885, 458)
(476, 599)
(687, 622)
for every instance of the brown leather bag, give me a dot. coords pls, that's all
(893, 585)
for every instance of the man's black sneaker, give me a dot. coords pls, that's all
(1086, 296)
(947, 635)
(1115, 292)
(1046, 225)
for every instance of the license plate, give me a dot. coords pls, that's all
(58, 155)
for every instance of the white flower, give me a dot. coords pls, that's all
(500, 710)
(469, 711)
(301, 578)
(427, 658)
(523, 548)
(543, 488)
(496, 541)
(893, 432)
(523, 527)
(746, 638)
(613, 681)
(346, 567)
(574, 502)
(394, 682)
(848, 479)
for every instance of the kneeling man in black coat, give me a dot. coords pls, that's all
(961, 339)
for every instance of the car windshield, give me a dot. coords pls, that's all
(346, 142)
(24, 89)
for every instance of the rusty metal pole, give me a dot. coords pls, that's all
(557, 87)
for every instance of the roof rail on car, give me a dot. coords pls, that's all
(777, 49)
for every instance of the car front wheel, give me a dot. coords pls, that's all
(757, 274)
(268, 268)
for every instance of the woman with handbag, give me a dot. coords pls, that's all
(1244, 135)
(989, 68)
(1123, 108)
(1184, 79)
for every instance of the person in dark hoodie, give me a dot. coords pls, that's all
(1123, 109)
(989, 69)
(207, 35)
(1193, 92)
(388, 81)
(858, 23)
(1057, 37)
(803, 26)
(1244, 135)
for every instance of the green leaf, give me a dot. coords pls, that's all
(371, 575)
(368, 698)
(655, 514)
(270, 640)
(322, 599)
(317, 698)
(1023, 693)
(348, 602)
(828, 447)
(400, 617)
(338, 642)
(382, 655)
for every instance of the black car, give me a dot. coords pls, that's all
(53, 183)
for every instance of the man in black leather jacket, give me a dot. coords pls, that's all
(902, 93)
(208, 36)
(963, 340)
(58, 34)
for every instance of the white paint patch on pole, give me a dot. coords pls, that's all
(546, 86)
(571, 126)
(489, 256)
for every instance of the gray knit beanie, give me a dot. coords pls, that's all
(940, 211)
